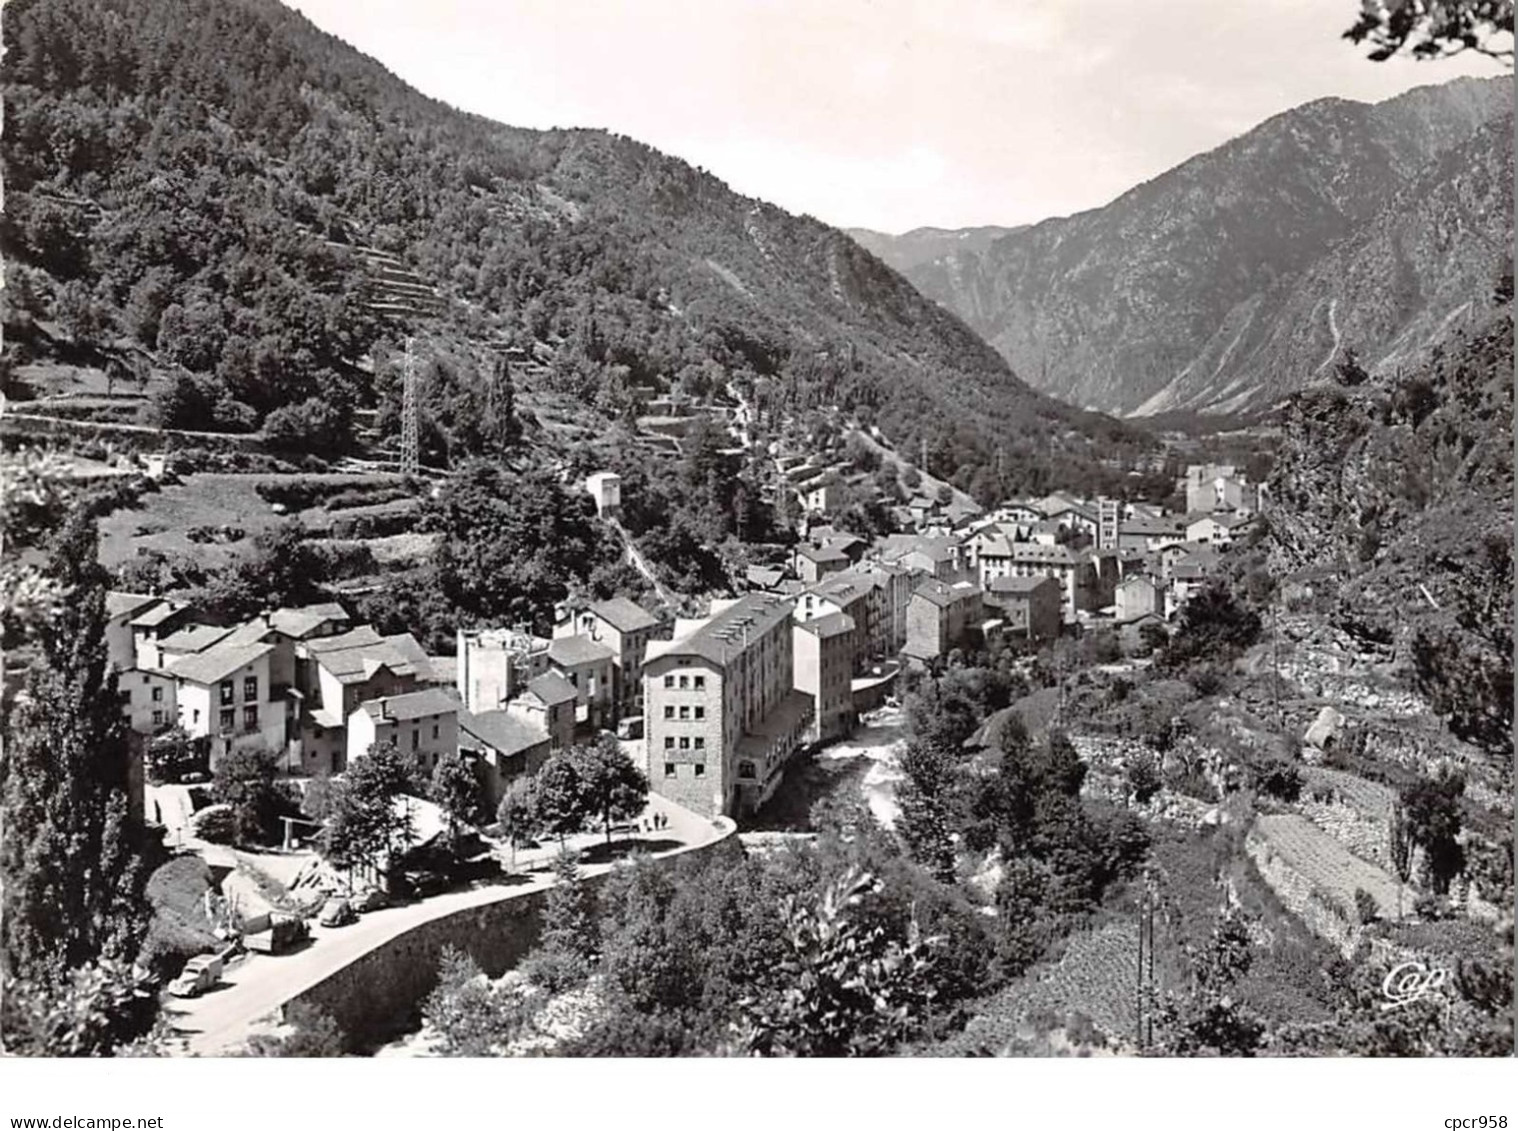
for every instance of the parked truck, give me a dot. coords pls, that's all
(284, 933)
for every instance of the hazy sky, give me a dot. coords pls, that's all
(889, 114)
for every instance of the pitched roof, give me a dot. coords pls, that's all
(624, 615)
(412, 705)
(821, 554)
(194, 638)
(157, 614)
(1018, 585)
(303, 621)
(1031, 552)
(766, 577)
(355, 656)
(834, 624)
(503, 731)
(845, 586)
(215, 664)
(552, 689)
(119, 604)
(722, 636)
(572, 651)
(942, 594)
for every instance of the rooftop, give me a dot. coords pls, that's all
(942, 594)
(572, 651)
(119, 604)
(552, 689)
(723, 636)
(194, 638)
(216, 664)
(823, 554)
(503, 731)
(157, 614)
(1018, 584)
(624, 615)
(834, 624)
(356, 655)
(412, 705)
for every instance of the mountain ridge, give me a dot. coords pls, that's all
(1110, 307)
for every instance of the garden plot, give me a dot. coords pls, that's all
(1354, 811)
(1316, 877)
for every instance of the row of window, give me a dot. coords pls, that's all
(249, 718)
(686, 712)
(686, 743)
(669, 769)
(249, 690)
(686, 682)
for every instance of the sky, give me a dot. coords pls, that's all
(890, 114)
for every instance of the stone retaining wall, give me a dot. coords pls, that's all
(378, 996)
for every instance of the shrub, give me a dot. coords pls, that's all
(216, 824)
(1366, 910)
(1280, 780)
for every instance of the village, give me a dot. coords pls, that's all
(712, 708)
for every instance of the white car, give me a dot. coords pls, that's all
(199, 975)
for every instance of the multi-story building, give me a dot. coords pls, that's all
(224, 698)
(495, 664)
(722, 715)
(423, 724)
(151, 625)
(1219, 487)
(625, 628)
(506, 746)
(940, 618)
(1073, 569)
(121, 609)
(813, 563)
(337, 673)
(823, 658)
(1029, 607)
(1139, 595)
(548, 702)
(588, 666)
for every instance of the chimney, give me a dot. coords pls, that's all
(384, 708)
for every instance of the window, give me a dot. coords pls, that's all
(699, 682)
(700, 743)
(226, 692)
(125, 695)
(684, 682)
(669, 742)
(669, 681)
(416, 739)
(700, 712)
(316, 732)
(197, 716)
(434, 731)
(685, 712)
(669, 769)
(684, 743)
(145, 679)
(250, 688)
(226, 720)
(250, 718)
(700, 769)
(745, 769)
(157, 717)
(669, 712)
(158, 695)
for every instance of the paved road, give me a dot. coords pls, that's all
(255, 986)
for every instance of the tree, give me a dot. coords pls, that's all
(570, 940)
(1435, 29)
(281, 569)
(365, 825)
(317, 425)
(89, 1010)
(456, 789)
(1431, 807)
(927, 821)
(612, 788)
(1209, 1020)
(844, 987)
(517, 815)
(69, 852)
(560, 797)
(246, 780)
(1144, 779)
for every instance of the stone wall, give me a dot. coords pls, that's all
(379, 995)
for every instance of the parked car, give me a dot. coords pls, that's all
(336, 913)
(370, 899)
(285, 932)
(630, 728)
(199, 975)
(427, 882)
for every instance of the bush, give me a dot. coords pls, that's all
(315, 426)
(1280, 780)
(1366, 910)
(216, 824)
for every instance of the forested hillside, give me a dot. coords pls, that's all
(1235, 277)
(219, 189)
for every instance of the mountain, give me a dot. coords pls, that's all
(924, 245)
(1233, 278)
(221, 185)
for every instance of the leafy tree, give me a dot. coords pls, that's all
(246, 779)
(456, 789)
(89, 1010)
(844, 988)
(364, 825)
(317, 425)
(1431, 807)
(70, 855)
(613, 788)
(282, 568)
(560, 797)
(518, 816)
(1435, 29)
(1144, 780)
(1214, 627)
(469, 1016)
(1210, 1021)
(927, 798)
(169, 755)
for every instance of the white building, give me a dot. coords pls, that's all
(605, 488)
